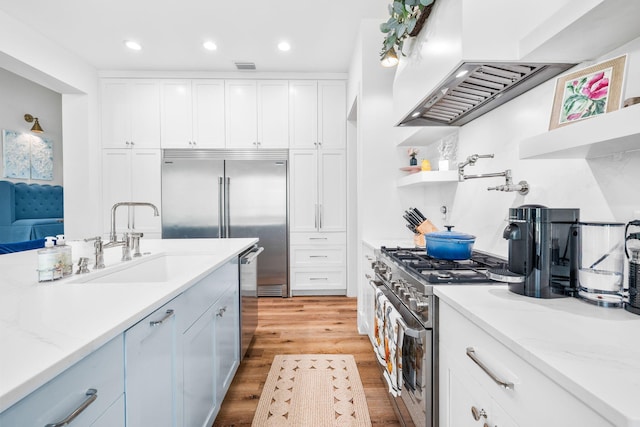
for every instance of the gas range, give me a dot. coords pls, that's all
(410, 274)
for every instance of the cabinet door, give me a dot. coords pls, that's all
(332, 114)
(146, 187)
(303, 114)
(199, 390)
(115, 114)
(240, 114)
(145, 113)
(226, 344)
(332, 188)
(273, 114)
(465, 399)
(150, 373)
(304, 190)
(208, 113)
(176, 114)
(116, 185)
(112, 417)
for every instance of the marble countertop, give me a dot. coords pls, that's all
(592, 352)
(46, 327)
(405, 242)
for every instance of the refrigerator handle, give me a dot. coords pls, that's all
(220, 207)
(227, 221)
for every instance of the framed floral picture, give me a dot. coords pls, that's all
(588, 92)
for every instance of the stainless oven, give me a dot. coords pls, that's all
(248, 296)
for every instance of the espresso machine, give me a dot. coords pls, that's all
(543, 252)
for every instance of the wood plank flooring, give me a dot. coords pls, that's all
(301, 325)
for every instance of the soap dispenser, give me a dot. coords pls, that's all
(65, 254)
(49, 262)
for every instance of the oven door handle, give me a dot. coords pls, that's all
(415, 333)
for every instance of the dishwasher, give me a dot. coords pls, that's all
(248, 296)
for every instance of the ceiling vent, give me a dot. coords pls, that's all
(477, 88)
(245, 65)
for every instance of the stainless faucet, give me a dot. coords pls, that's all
(129, 239)
(522, 187)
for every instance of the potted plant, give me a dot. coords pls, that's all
(406, 20)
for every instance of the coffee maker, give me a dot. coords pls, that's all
(543, 251)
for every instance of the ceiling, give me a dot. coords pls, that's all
(322, 34)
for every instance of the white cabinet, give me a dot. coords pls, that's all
(192, 113)
(318, 190)
(150, 359)
(257, 113)
(88, 389)
(130, 113)
(318, 263)
(366, 292)
(131, 175)
(317, 114)
(530, 399)
(210, 344)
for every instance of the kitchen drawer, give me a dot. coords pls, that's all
(102, 370)
(535, 399)
(205, 293)
(318, 238)
(306, 281)
(306, 256)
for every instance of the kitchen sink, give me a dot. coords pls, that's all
(155, 268)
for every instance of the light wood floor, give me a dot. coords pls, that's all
(301, 325)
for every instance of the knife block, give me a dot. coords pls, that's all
(424, 228)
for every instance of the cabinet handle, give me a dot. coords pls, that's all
(318, 278)
(477, 414)
(315, 218)
(368, 258)
(221, 311)
(368, 276)
(317, 238)
(471, 352)
(92, 395)
(167, 315)
(321, 212)
(133, 143)
(318, 256)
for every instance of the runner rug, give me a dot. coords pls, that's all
(312, 390)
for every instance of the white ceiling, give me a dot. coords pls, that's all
(321, 33)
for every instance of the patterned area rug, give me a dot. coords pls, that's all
(312, 390)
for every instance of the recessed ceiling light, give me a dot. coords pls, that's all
(132, 45)
(284, 46)
(209, 45)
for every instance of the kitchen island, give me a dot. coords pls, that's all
(48, 327)
(564, 361)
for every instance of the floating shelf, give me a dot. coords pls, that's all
(428, 177)
(423, 136)
(610, 133)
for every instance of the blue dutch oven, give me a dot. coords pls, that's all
(449, 245)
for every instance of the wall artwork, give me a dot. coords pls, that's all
(588, 92)
(27, 156)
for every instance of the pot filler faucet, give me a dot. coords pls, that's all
(129, 239)
(522, 187)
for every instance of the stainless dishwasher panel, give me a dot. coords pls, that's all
(248, 297)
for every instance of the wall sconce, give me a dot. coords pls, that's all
(36, 126)
(390, 58)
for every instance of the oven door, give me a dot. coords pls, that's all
(415, 400)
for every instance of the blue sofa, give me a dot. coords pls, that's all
(30, 211)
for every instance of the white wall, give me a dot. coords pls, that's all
(605, 189)
(21, 96)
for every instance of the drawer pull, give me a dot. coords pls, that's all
(471, 352)
(167, 315)
(478, 413)
(318, 278)
(318, 256)
(368, 276)
(221, 311)
(317, 238)
(92, 395)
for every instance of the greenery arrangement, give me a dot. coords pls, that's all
(406, 19)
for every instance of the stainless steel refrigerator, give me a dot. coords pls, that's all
(231, 193)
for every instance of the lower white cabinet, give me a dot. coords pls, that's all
(468, 390)
(87, 389)
(318, 263)
(366, 292)
(150, 369)
(113, 416)
(210, 345)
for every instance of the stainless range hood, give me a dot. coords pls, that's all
(475, 88)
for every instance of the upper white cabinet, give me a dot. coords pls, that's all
(192, 114)
(130, 113)
(131, 176)
(317, 114)
(318, 191)
(256, 114)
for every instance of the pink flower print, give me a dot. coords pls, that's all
(574, 116)
(597, 87)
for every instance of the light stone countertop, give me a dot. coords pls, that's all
(46, 327)
(593, 352)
